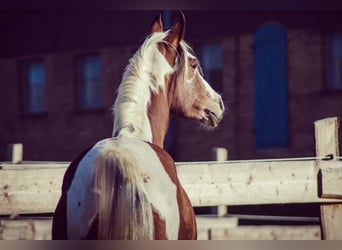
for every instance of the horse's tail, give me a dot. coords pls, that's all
(124, 211)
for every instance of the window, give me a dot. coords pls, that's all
(335, 61)
(34, 81)
(89, 82)
(211, 61)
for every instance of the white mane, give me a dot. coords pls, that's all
(145, 72)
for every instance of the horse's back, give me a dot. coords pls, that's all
(76, 212)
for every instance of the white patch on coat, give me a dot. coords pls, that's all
(160, 189)
(80, 201)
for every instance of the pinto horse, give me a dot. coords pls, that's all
(126, 187)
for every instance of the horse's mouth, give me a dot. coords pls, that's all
(211, 119)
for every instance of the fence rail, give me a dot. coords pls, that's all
(34, 187)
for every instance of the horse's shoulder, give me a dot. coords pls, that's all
(167, 161)
(163, 155)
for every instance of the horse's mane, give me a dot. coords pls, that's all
(145, 73)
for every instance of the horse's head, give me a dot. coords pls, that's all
(162, 76)
(190, 95)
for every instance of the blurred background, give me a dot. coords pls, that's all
(277, 70)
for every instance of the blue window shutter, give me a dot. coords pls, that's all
(270, 87)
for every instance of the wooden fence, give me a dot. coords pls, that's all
(34, 188)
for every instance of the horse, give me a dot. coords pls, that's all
(126, 186)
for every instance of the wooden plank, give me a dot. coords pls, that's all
(34, 229)
(250, 183)
(331, 221)
(33, 165)
(326, 135)
(15, 152)
(202, 234)
(267, 233)
(219, 154)
(331, 180)
(25, 229)
(36, 189)
(32, 190)
(208, 228)
(206, 223)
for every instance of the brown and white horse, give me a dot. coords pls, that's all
(126, 187)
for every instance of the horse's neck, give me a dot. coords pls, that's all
(141, 114)
(142, 109)
(158, 114)
(143, 120)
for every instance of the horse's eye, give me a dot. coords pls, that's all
(194, 66)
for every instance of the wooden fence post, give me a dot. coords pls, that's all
(15, 152)
(326, 139)
(220, 154)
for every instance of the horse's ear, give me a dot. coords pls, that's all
(176, 33)
(157, 25)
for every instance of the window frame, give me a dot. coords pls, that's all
(78, 82)
(24, 66)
